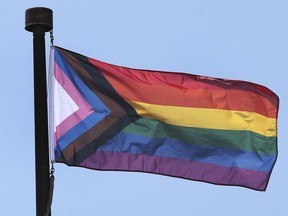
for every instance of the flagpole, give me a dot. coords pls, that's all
(40, 20)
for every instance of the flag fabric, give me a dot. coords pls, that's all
(108, 117)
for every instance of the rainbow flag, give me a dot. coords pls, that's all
(108, 117)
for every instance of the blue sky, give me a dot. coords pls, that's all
(239, 39)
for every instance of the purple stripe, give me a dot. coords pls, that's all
(84, 108)
(103, 160)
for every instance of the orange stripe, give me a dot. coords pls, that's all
(198, 98)
(183, 90)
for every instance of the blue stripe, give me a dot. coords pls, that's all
(80, 129)
(86, 92)
(168, 147)
(100, 109)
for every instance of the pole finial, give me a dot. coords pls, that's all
(38, 16)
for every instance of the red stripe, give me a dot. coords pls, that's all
(178, 89)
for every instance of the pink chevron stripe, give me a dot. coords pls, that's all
(84, 108)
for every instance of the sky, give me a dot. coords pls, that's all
(233, 39)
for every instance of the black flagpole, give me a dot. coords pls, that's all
(40, 20)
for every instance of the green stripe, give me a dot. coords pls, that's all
(239, 140)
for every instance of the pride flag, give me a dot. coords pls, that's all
(108, 117)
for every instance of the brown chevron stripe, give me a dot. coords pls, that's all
(107, 127)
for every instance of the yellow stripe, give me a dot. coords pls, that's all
(208, 118)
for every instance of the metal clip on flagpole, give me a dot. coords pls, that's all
(40, 20)
(51, 39)
(51, 189)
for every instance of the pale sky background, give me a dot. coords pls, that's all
(233, 39)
